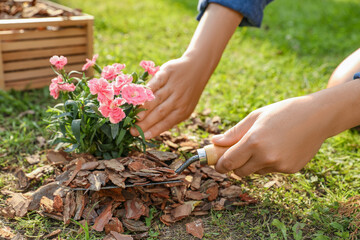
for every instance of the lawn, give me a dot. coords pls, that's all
(292, 54)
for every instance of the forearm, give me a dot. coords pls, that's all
(341, 105)
(212, 35)
(346, 69)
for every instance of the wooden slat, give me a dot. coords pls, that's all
(40, 53)
(2, 79)
(46, 43)
(29, 83)
(44, 22)
(38, 63)
(90, 43)
(34, 73)
(36, 34)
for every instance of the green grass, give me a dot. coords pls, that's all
(294, 53)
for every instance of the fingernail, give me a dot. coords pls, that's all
(147, 135)
(218, 137)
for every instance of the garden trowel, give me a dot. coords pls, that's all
(207, 155)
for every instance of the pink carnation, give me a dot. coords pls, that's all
(116, 115)
(134, 94)
(102, 88)
(149, 66)
(90, 63)
(58, 62)
(121, 81)
(150, 94)
(111, 71)
(112, 110)
(105, 110)
(117, 102)
(57, 85)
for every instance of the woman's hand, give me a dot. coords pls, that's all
(285, 136)
(177, 88)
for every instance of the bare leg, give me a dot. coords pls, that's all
(346, 69)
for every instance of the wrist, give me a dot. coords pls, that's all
(340, 105)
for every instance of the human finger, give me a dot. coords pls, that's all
(234, 134)
(158, 80)
(251, 166)
(157, 115)
(160, 97)
(235, 157)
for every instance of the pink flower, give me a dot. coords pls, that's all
(58, 62)
(111, 71)
(117, 102)
(134, 94)
(54, 87)
(150, 94)
(112, 110)
(102, 88)
(67, 87)
(149, 66)
(116, 115)
(90, 63)
(105, 110)
(120, 81)
(57, 85)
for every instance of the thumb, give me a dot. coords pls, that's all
(234, 134)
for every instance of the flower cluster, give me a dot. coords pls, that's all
(109, 102)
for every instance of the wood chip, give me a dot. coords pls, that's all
(115, 165)
(181, 211)
(231, 192)
(114, 225)
(135, 209)
(46, 204)
(56, 157)
(52, 234)
(162, 156)
(23, 181)
(19, 203)
(115, 178)
(135, 226)
(196, 228)
(33, 159)
(103, 218)
(119, 236)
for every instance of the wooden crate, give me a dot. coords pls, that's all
(26, 46)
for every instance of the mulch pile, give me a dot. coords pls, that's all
(14, 9)
(115, 210)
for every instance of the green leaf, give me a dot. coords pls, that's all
(62, 129)
(65, 114)
(281, 226)
(127, 121)
(72, 72)
(74, 105)
(140, 132)
(135, 77)
(337, 226)
(144, 75)
(97, 68)
(72, 148)
(297, 233)
(120, 136)
(94, 108)
(114, 130)
(75, 127)
(151, 216)
(105, 128)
